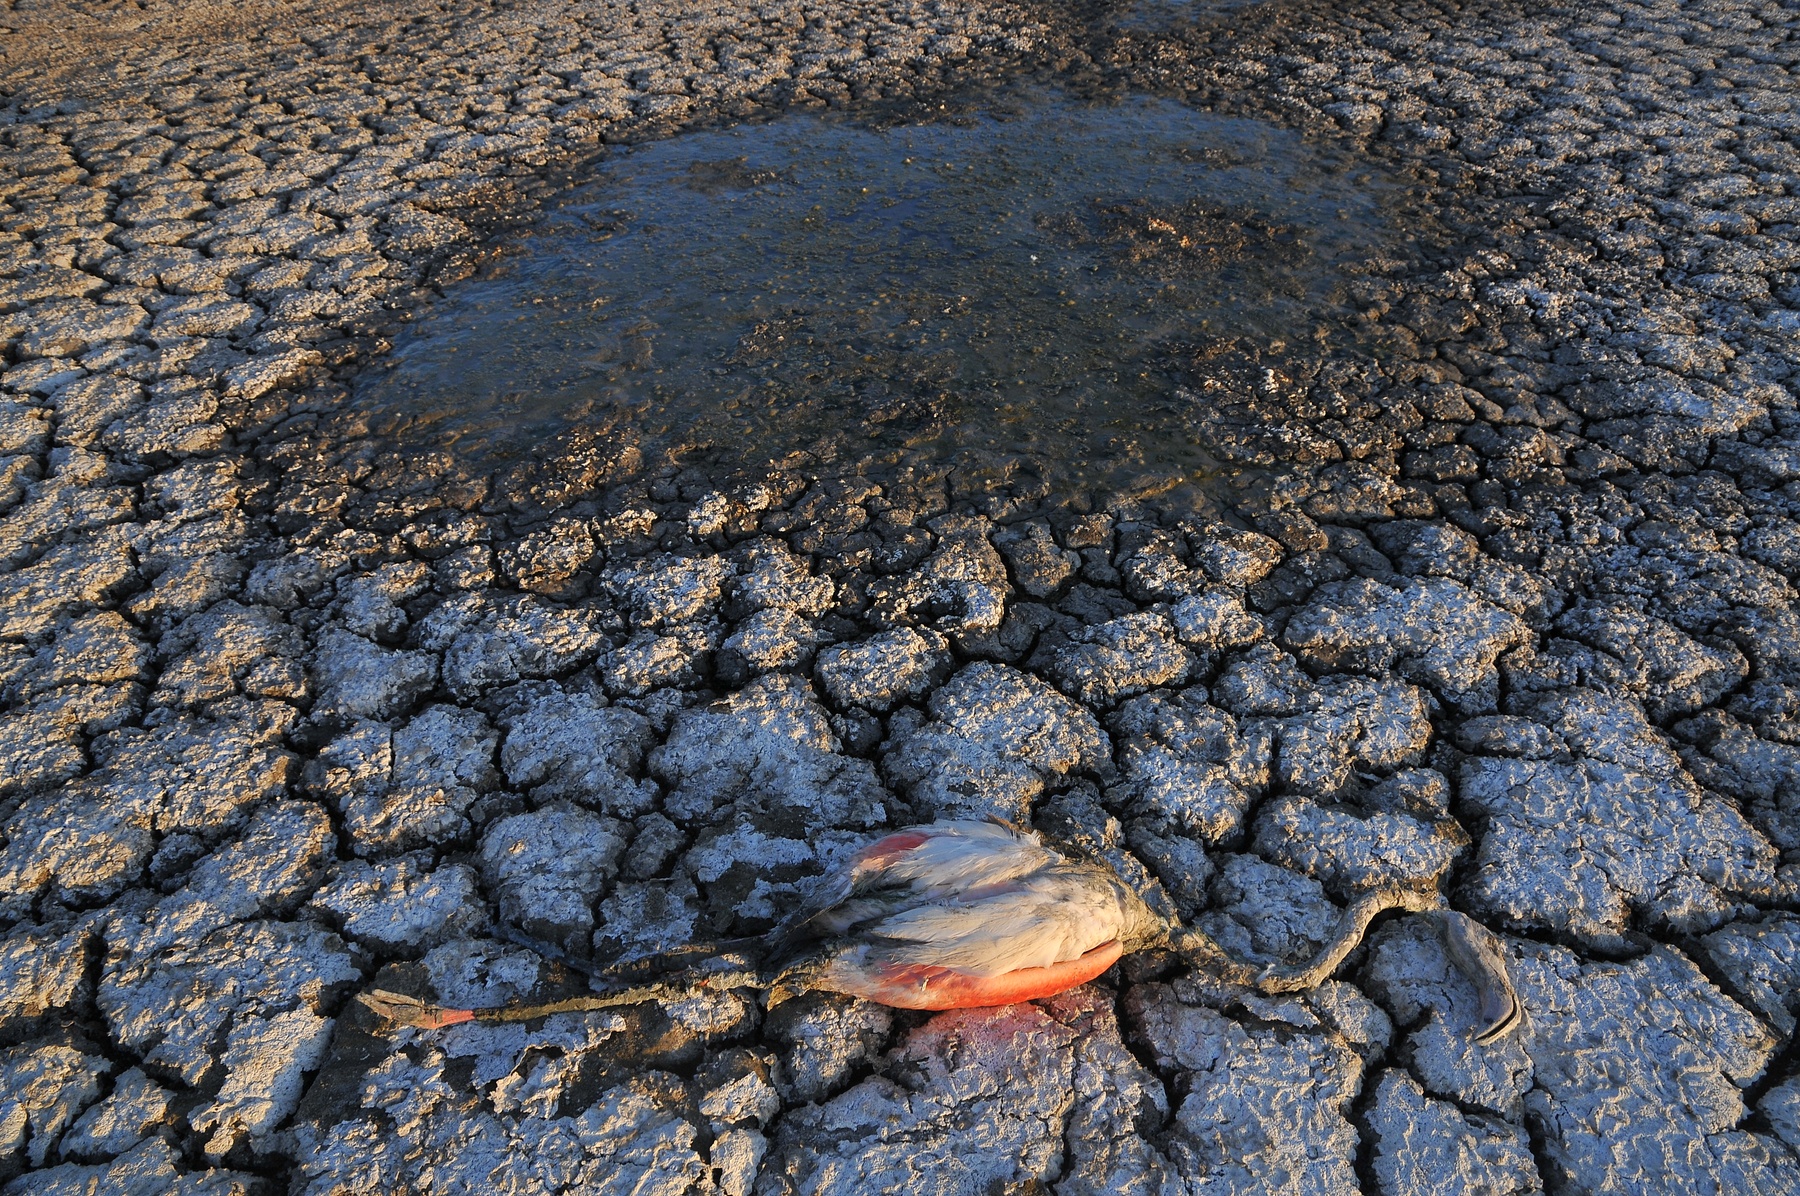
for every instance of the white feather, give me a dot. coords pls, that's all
(953, 858)
(1047, 919)
(957, 856)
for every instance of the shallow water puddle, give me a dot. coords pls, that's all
(1010, 281)
(1156, 15)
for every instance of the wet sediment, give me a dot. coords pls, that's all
(1012, 278)
(1504, 604)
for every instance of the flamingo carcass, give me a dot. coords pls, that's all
(964, 914)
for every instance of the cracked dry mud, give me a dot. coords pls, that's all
(1507, 605)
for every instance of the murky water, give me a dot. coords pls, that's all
(1010, 280)
(1155, 15)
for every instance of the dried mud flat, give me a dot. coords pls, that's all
(1510, 606)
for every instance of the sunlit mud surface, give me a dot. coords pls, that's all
(1012, 279)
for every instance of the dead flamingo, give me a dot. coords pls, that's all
(964, 914)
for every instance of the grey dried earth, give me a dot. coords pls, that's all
(1507, 605)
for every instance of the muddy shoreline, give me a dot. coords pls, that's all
(1505, 607)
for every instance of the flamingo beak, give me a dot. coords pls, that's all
(1477, 954)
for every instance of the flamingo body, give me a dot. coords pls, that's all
(959, 915)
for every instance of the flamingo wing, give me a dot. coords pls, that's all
(923, 864)
(949, 857)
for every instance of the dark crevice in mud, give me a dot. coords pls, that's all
(1556, 1179)
(1784, 1066)
(1401, 1057)
(1693, 948)
(1361, 1116)
(1634, 944)
(78, 1022)
(1146, 1057)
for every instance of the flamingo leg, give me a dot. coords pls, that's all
(410, 1011)
(1290, 978)
(1472, 948)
